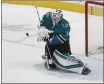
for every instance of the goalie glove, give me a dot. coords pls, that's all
(44, 34)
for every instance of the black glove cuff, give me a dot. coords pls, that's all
(50, 35)
(45, 39)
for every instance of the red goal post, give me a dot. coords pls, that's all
(86, 21)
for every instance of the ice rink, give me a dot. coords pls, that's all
(21, 55)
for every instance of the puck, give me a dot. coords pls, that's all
(27, 34)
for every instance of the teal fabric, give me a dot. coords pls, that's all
(62, 29)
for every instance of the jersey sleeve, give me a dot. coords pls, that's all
(64, 34)
(45, 18)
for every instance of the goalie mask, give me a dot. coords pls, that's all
(56, 16)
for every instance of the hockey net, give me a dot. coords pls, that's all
(94, 27)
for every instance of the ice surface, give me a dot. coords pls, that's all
(21, 55)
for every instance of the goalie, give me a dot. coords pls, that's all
(54, 29)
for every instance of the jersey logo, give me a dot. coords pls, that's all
(65, 25)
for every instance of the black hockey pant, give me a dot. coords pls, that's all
(62, 48)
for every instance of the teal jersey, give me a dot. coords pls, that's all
(60, 31)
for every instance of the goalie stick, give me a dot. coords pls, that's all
(47, 60)
(27, 34)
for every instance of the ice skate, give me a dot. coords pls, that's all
(86, 71)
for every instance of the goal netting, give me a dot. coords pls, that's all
(94, 18)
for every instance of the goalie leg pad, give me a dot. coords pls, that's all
(63, 62)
